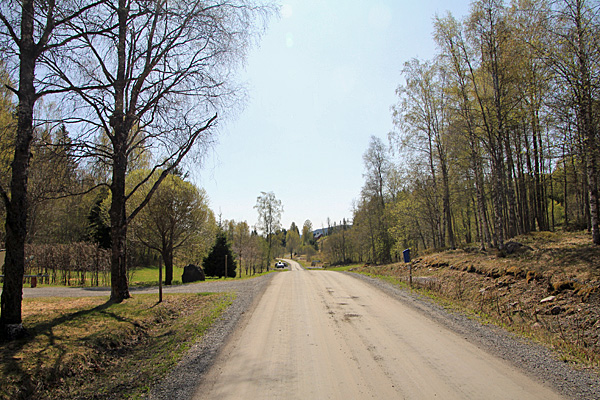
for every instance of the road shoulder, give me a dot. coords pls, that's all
(181, 383)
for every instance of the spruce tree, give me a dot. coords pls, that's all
(214, 262)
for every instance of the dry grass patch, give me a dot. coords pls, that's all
(88, 348)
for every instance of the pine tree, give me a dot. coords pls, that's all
(214, 262)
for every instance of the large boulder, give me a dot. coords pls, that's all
(192, 273)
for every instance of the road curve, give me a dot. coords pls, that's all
(326, 335)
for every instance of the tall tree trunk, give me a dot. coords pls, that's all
(537, 156)
(586, 114)
(446, 205)
(585, 193)
(118, 278)
(458, 53)
(532, 186)
(434, 185)
(384, 239)
(344, 257)
(16, 224)
(565, 187)
(591, 146)
(372, 236)
(552, 200)
(120, 124)
(17, 206)
(497, 203)
(118, 216)
(510, 190)
(478, 234)
(496, 130)
(594, 200)
(467, 219)
(524, 226)
(481, 206)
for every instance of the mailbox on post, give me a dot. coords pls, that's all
(406, 254)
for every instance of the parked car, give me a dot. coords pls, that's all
(280, 264)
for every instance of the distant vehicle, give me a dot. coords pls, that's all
(280, 264)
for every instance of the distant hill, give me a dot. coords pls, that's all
(317, 233)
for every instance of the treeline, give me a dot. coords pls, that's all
(68, 213)
(251, 249)
(116, 86)
(495, 137)
(69, 264)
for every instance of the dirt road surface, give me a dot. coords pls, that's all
(326, 335)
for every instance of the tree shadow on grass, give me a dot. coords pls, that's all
(29, 381)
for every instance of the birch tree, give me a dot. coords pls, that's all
(159, 80)
(176, 217)
(30, 32)
(269, 210)
(423, 122)
(574, 56)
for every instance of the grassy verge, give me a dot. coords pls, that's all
(343, 268)
(83, 348)
(242, 277)
(302, 261)
(141, 277)
(149, 276)
(548, 292)
(307, 265)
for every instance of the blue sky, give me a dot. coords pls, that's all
(320, 82)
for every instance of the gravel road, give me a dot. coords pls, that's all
(194, 370)
(534, 360)
(181, 383)
(328, 335)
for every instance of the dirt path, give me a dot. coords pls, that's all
(326, 335)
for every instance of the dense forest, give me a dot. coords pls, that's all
(494, 137)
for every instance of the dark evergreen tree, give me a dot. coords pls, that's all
(99, 223)
(214, 262)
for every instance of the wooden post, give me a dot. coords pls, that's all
(160, 279)
(225, 275)
(406, 256)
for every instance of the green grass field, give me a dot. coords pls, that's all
(138, 277)
(149, 276)
(90, 348)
